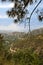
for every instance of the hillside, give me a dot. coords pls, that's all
(22, 38)
(19, 48)
(37, 31)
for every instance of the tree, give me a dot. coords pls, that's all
(19, 10)
(32, 14)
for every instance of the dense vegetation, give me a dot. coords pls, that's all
(21, 50)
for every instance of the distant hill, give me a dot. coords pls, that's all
(21, 34)
(37, 31)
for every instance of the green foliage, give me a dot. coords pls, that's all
(26, 57)
(7, 56)
(28, 52)
(18, 9)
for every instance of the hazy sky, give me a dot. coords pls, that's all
(8, 24)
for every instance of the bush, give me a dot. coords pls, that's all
(26, 57)
(8, 56)
(1, 64)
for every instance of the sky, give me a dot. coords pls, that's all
(7, 23)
